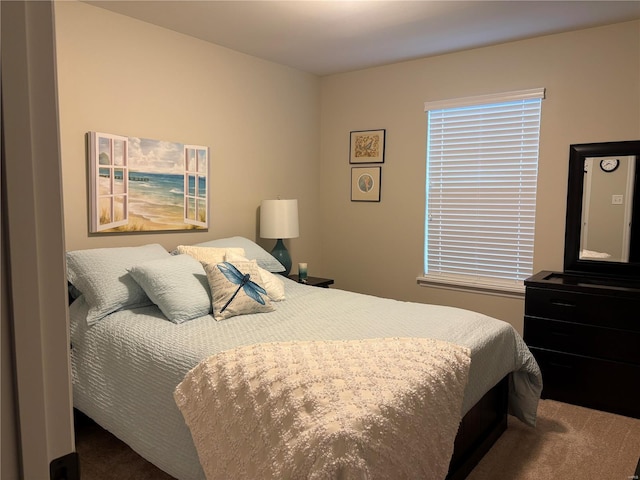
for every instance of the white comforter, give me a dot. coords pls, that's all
(127, 366)
(358, 409)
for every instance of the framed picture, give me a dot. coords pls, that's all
(142, 185)
(365, 184)
(367, 146)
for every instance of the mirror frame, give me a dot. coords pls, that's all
(572, 262)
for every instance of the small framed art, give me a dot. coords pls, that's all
(367, 146)
(365, 184)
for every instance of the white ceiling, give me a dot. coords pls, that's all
(333, 36)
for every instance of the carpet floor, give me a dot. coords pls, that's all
(568, 442)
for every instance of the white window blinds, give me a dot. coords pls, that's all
(482, 163)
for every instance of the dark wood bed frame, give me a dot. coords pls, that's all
(479, 430)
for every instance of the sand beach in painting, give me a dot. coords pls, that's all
(156, 202)
(157, 198)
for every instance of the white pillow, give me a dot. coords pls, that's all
(270, 281)
(253, 251)
(229, 297)
(208, 254)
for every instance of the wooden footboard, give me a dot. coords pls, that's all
(479, 430)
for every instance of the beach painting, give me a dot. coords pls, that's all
(142, 185)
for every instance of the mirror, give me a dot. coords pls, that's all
(607, 196)
(603, 209)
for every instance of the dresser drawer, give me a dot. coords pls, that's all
(601, 310)
(593, 383)
(599, 342)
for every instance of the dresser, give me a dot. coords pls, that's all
(584, 332)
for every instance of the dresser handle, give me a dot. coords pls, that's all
(562, 303)
(560, 334)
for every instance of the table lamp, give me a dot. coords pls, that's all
(279, 220)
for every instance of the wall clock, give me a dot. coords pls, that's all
(609, 164)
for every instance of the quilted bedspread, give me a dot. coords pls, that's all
(327, 409)
(127, 366)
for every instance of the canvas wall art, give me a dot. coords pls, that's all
(143, 185)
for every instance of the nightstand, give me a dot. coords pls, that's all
(314, 281)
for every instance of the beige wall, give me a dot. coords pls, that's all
(261, 121)
(592, 80)
(276, 131)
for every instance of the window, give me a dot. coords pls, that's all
(482, 164)
(196, 191)
(110, 188)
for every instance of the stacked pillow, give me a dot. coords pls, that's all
(236, 289)
(207, 254)
(177, 285)
(181, 285)
(101, 276)
(252, 250)
(225, 269)
(271, 282)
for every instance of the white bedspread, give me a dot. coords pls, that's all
(359, 409)
(127, 366)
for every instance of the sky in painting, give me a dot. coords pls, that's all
(155, 156)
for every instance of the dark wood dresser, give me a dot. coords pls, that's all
(584, 332)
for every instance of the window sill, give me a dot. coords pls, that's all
(510, 290)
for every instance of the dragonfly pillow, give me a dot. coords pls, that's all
(236, 290)
(271, 282)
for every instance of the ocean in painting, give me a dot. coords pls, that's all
(159, 198)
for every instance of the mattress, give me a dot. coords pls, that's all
(126, 367)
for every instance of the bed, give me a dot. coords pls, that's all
(138, 333)
(592, 254)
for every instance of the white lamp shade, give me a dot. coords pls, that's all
(279, 219)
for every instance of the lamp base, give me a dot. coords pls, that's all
(281, 254)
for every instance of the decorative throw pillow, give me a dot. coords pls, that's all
(270, 281)
(208, 254)
(252, 251)
(236, 289)
(177, 284)
(101, 275)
